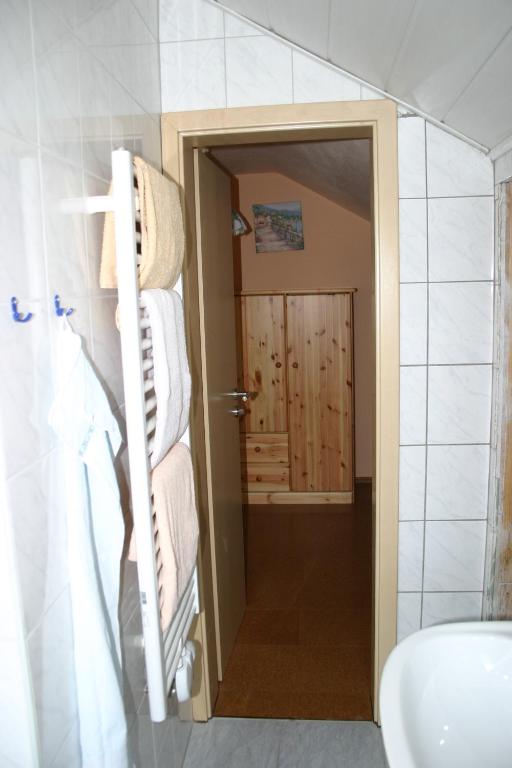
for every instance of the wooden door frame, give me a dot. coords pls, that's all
(375, 120)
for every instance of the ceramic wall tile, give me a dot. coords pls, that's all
(193, 75)
(459, 403)
(149, 12)
(95, 115)
(235, 27)
(460, 323)
(413, 324)
(410, 556)
(409, 614)
(94, 235)
(137, 69)
(454, 556)
(58, 97)
(412, 482)
(413, 241)
(124, 110)
(413, 405)
(455, 168)
(116, 23)
(457, 482)
(194, 20)
(460, 238)
(411, 157)
(258, 71)
(18, 93)
(440, 608)
(368, 94)
(313, 81)
(148, 140)
(23, 266)
(65, 235)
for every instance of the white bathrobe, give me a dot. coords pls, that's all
(82, 419)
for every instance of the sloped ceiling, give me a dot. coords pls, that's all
(338, 170)
(451, 59)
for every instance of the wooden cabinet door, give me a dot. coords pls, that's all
(264, 369)
(319, 363)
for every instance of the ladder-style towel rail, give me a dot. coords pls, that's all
(163, 650)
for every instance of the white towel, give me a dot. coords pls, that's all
(170, 369)
(90, 439)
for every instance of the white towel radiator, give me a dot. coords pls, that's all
(162, 650)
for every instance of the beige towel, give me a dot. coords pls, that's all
(176, 527)
(162, 237)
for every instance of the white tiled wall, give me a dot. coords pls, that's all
(209, 59)
(446, 254)
(78, 79)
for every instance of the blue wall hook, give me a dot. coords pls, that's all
(18, 317)
(60, 311)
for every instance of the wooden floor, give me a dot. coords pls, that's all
(303, 650)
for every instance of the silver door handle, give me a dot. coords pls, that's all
(245, 396)
(237, 411)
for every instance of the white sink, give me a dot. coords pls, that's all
(446, 698)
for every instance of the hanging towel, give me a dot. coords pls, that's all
(170, 369)
(162, 236)
(176, 528)
(90, 439)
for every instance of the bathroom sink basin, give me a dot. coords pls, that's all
(446, 698)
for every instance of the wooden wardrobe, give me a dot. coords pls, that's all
(296, 356)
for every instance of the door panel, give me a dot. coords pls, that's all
(215, 278)
(319, 365)
(263, 345)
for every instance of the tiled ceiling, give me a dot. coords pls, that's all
(451, 59)
(338, 170)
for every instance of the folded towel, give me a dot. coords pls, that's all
(162, 237)
(170, 369)
(176, 528)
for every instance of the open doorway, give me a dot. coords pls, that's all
(303, 287)
(211, 336)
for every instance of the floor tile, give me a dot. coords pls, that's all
(259, 743)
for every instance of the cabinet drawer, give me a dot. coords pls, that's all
(265, 448)
(265, 477)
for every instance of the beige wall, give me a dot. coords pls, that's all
(337, 254)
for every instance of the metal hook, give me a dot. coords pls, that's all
(17, 316)
(60, 311)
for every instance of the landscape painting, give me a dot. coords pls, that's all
(278, 227)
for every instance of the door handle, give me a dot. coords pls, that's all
(237, 412)
(244, 396)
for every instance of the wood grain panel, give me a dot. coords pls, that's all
(265, 477)
(310, 498)
(264, 370)
(319, 367)
(265, 448)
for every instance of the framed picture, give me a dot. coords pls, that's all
(278, 227)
